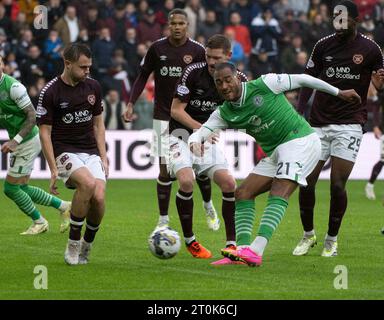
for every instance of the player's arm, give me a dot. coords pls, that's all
(378, 69)
(179, 114)
(279, 83)
(18, 93)
(147, 65)
(99, 130)
(45, 131)
(207, 130)
(313, 68)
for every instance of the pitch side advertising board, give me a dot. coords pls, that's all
(129, 156)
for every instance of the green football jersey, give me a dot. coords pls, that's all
(13, 99)
(265, 115)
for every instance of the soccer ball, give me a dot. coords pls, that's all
(164, 243)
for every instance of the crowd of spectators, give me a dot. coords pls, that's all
(267, 36)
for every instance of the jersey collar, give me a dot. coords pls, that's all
(2, 77)
(241, 100)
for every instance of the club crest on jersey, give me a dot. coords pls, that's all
(258, 101)
(358, 58)
(187, 58)
(92, 99)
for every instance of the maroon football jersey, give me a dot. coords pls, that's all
(196, 87)
(346, 65)
(168, 62)
(70, 111)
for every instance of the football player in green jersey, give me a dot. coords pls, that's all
(293, 148)
(18, 117)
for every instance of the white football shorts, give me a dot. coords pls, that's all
(180, 157)
(21, 161)
(67, 163)
(160, 138)
(341, 141)
(293, 160)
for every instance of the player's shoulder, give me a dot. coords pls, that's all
(93, 83)
(160, 43)
(368, 42)
(196, 44)
(242, 76)
(50, 86)
(192, 69)
(324, 41)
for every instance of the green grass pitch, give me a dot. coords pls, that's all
(121, 266)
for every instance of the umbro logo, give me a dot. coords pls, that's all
(328, 58)
(199, 91)
(163, 58)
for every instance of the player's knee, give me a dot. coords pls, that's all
(10, 190)
(99, 195)
(88, 186)
(186, 184)
(337, 188)
(228, 184)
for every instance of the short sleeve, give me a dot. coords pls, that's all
(19, 95)
(98, 107)
(314, 64)
(44, 108)
(148, 63)
(185, 85)
(377, 59)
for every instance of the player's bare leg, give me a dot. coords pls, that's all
(307, 199)
(340, 171)
(93, 221)
(184, 204)
(85, 185)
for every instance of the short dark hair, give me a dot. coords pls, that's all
(223, 65)
(177, 11)
(218, 41)
(73, 51)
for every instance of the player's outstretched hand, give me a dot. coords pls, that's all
(128, 113)
(9, 146)
(52, 183)
(197, 149)
(349, 95)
